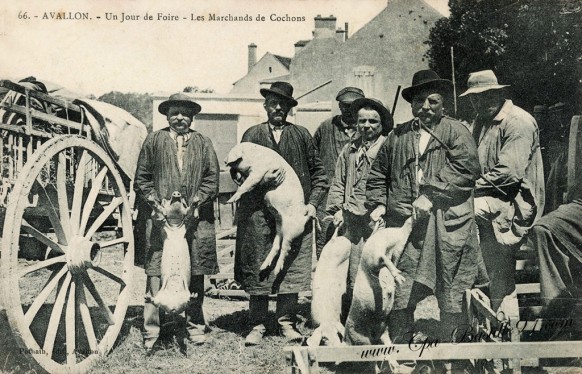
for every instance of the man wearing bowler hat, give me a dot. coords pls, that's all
(330, 138)
(178, 158)
(426, 169)
(256, 224)
(509, 194)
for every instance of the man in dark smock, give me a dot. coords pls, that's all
(178, 158)
(330, 138)
(415, 173)
(256, 225)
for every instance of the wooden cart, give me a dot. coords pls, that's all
(67, 250)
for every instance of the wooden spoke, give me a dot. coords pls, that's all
(95, 187)
(115, 202)
(78, 193)
(55, 220)
(86, 317)
(113, 242)
(53, 325)
(42, 296)
(62, 193)
(75, 202)
(70, 326)
(93, 291)
(41, 265)
(42, 237)
(110, 275)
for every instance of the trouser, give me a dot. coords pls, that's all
(326, 232)
(195, 322)
(499, 259)
(285, 312)
(560, 278)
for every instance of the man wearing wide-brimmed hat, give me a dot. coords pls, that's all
(509, 194)
(347, 193)
(330, 138)
(426, 169)
(256, 224)
(178, 158)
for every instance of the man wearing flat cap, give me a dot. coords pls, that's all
(178, 158)
(256, 224)
(509, 194)
(347, 193)
(426, 169)
(330, 138)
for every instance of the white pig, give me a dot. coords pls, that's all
(286, 201)
(174, 294)
(374, 286)
(329, 286)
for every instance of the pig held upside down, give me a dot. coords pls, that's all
(286, 201)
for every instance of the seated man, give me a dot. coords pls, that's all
(557, 238)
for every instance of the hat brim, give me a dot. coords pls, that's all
(476, 90)
(444, 85)
(265, 91)
(165, 106)
(387, 120)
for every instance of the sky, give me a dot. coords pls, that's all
(96, 56)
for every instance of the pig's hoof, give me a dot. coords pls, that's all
(278, 269)
(264, 267)
(399, 279)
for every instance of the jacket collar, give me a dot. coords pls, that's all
(504, 111)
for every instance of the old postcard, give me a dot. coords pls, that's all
(119, 128)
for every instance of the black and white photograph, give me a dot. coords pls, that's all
(291, 186)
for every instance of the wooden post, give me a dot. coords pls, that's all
(453, 78)
(574, 152)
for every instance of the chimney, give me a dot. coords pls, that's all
(299, 46)
(252, 55)
(346, 31)
(340, 35)
(324, 27)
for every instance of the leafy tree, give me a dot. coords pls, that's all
(191, 89)
(139, 105)
(194, 89)
(533, 45)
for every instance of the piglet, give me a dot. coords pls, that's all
(174, 294)
(250, 162)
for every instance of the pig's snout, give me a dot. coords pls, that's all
(176, 197)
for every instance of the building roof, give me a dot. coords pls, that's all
(302, 43)
(286, 61)
(280, 78)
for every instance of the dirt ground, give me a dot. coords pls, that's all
(224, 351)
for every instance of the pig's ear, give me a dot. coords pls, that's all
(165, 203)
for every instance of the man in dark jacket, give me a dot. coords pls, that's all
(427, 169)
(178, 158)
(256, 225)
(330, 138)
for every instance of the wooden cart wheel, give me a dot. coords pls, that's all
(67, 306)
